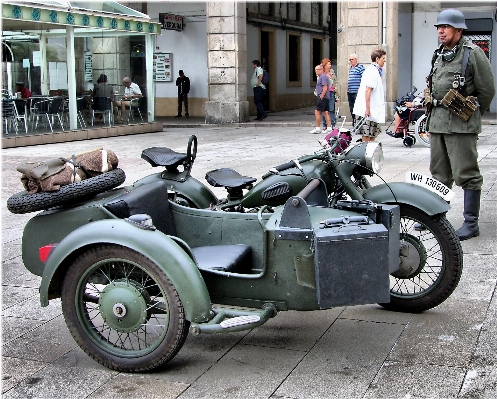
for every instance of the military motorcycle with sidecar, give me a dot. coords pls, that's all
(140, 266)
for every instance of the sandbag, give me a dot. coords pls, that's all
(52, 174)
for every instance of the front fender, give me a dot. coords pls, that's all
(155, 245)
(410, 194)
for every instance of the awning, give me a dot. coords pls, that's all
(102, 16)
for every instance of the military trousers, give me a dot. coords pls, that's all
(454, 159)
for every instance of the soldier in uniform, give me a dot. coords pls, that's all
(453, 140)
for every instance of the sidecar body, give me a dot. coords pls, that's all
(303, 256)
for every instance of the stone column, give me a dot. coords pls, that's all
(226, 62)
(360, 27)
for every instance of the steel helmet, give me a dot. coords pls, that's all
(454, 18)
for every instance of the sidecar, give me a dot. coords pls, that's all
(136, 272)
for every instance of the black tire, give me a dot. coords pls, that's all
(24, 203)
(431, 271)
(122, 310)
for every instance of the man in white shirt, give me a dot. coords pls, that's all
(370, 102)
(131, 90)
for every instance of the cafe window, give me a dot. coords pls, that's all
(294, 51)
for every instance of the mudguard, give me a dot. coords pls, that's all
(410, 194)
(158, 247)
(190, 188)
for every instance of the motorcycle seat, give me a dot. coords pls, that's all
(163, 156)
(229, 178)
(224, 258)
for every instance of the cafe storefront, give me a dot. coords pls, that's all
(58, 49)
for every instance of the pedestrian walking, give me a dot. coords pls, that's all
(323, 95)
(326, 63)
(460, 74)
(355, 74)
(370, 101)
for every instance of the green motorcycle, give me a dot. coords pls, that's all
(138, 267)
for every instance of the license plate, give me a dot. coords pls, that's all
(431, 184)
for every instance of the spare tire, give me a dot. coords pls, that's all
(24, 203)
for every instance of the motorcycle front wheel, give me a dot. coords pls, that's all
(431, 262)
(122, 310)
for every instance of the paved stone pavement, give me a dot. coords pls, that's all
(345, 352)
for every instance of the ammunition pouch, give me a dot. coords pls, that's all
(428, 101)
(459, 105)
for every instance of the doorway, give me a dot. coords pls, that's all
(268, 63)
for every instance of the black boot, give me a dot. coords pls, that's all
(471, 212)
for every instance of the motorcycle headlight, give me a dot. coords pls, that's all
(374, 156)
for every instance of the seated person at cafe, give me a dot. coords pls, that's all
(100, 93)
(131, 90)
(20, 88)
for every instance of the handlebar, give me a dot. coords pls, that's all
(285, 166)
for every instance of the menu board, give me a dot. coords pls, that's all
(162, 67)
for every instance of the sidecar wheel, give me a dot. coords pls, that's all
(24, 203)
(431, 263)
(122, 310)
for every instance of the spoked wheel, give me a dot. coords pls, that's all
(122, 310)
(431, 262)
(420, 129)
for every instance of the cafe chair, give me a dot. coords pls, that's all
(80, 107)
(21, 110)
(101, 105)
(133, 107)
(51, 108)
(9, 115)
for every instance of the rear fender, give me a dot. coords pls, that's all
(158, 247)
(410, 194)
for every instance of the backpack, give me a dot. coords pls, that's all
(265, 77)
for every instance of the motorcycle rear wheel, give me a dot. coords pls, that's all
(122, 310)
(433, 266)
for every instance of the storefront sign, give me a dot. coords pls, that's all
(162, 67)
(88, 68)
(171, 21)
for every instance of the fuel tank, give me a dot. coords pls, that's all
(277, 188)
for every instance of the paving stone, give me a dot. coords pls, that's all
(480, 382)
(15, 327)
(197, 356)
(45, 343)
(14, 273)
(374, 313)
(293, 330)
(245, 372)
(32, 309)
(138, 386)
(12, 295)
(396, 380)
(60, 382)
(446, 335)
(15, 370)
(344, 361)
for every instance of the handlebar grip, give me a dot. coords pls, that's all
(285, 166)
(307, 158)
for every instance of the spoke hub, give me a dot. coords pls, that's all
(123, 306)
(412, 257)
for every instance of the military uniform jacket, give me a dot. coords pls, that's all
(480, 83)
